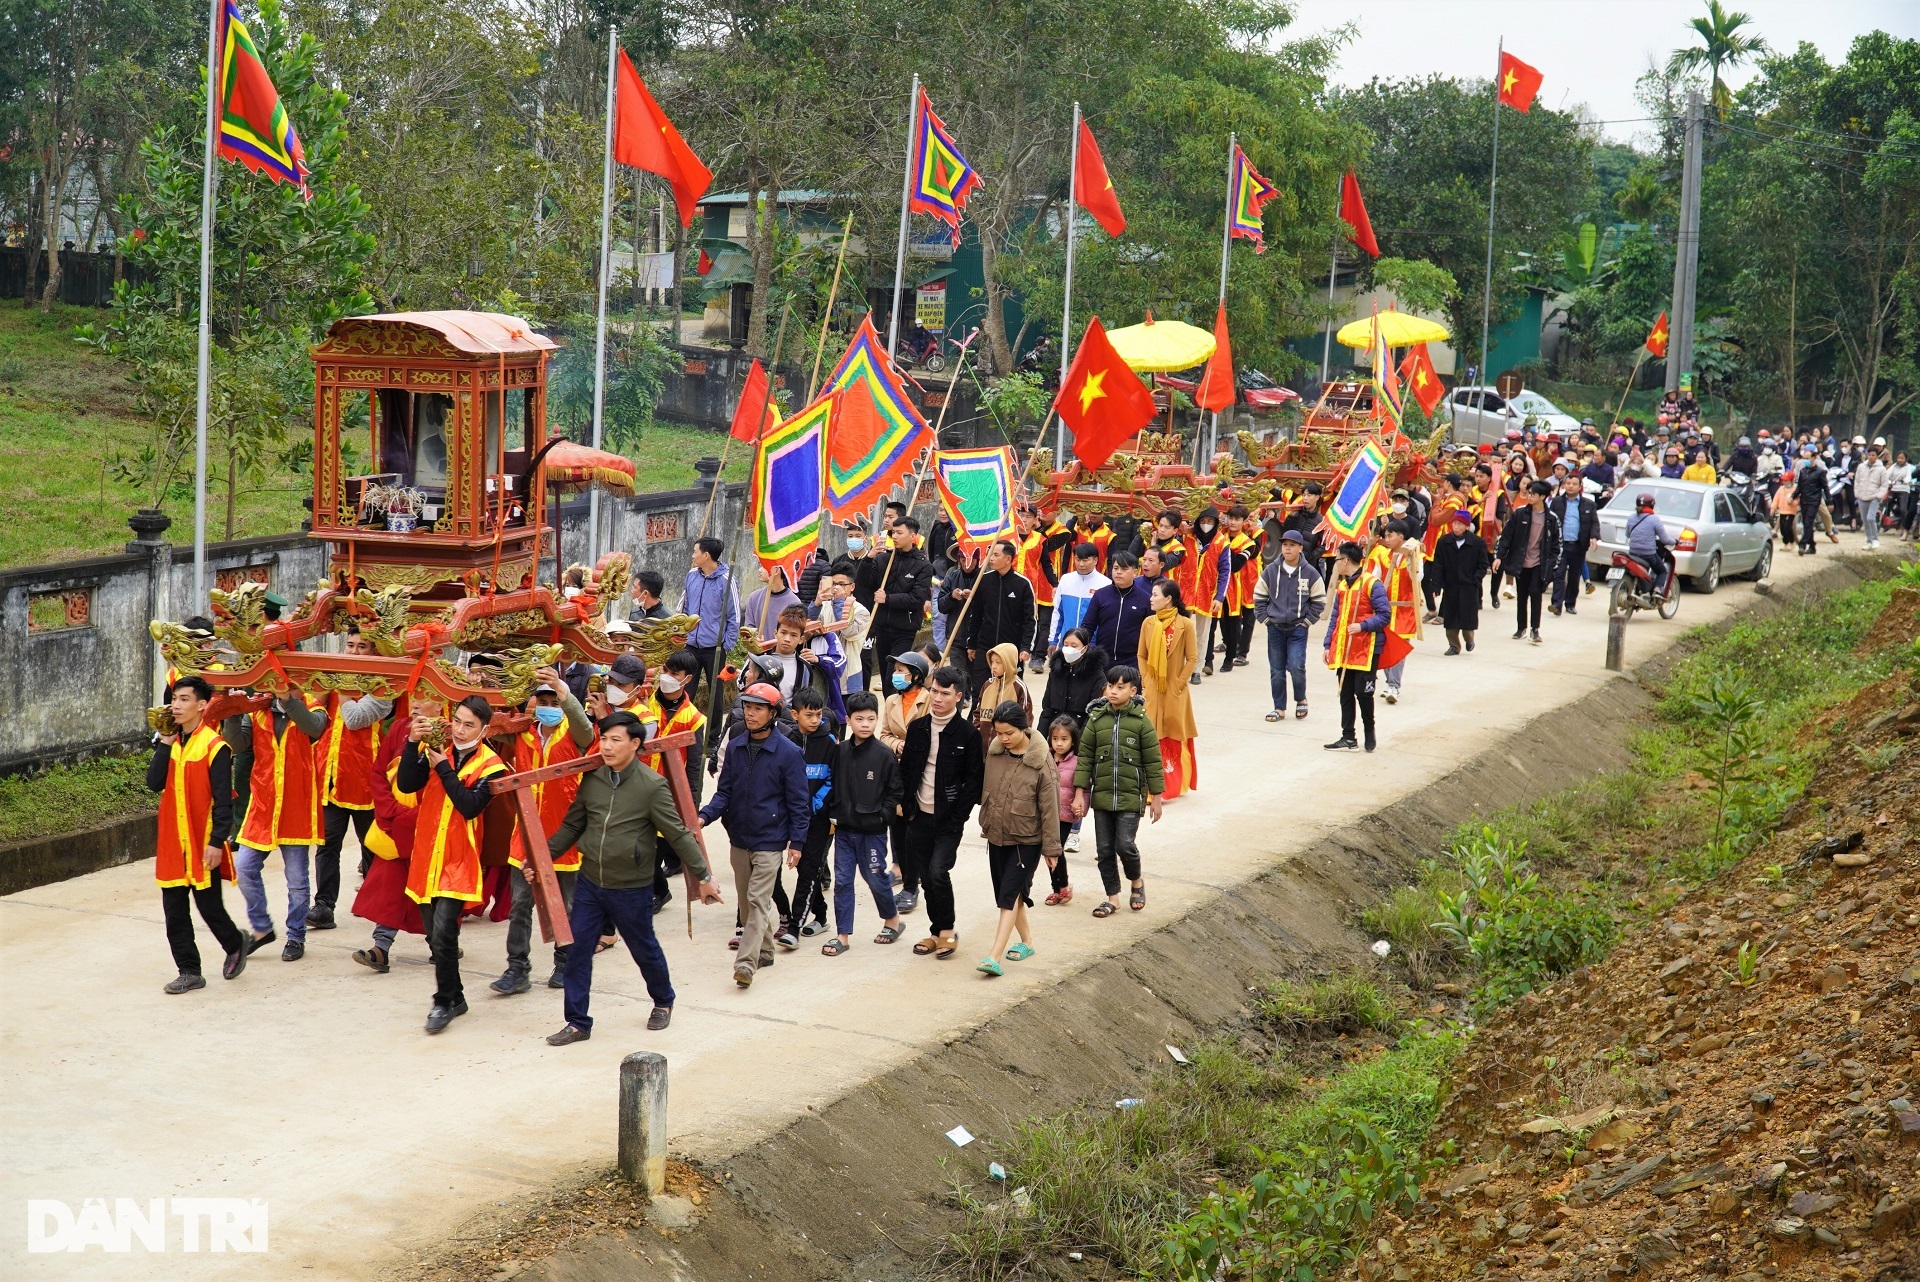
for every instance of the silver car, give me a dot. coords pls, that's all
(1715, 533)
(1478, 415)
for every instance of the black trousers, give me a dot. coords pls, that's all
(1042, 629)
(710, 657)
(1356, 695)
(809, 879)
(1238, 632)
(1567, 575)
(440, 917)
(927, 861)
(887, 642)
(174, 901)
(1529, 582)
(326, 865)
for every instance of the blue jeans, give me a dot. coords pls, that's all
(628, 910)
(249, 861)
(867, 852)
(1287, 657)
(939, 633)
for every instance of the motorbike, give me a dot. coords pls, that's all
(1633, 589)
(1751, 492)
(922, 351)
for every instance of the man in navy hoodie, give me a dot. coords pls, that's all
(762, 800)
(1116, 611)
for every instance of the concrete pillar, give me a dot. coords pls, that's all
(643, 1120)
(1616, 642)
(149, 528)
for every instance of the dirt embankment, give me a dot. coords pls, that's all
(1735, 1092)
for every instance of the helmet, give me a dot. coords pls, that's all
(915, 660)
(1743, 441)
(1513, 434)
(1644, 503)
(1705, 430)
(761, 693)
(1879, 440)
(1586, 422)
(1859, 440)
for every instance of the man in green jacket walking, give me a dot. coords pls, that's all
(1120, 774)
(613, 819)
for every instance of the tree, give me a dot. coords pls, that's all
(1722, 46)
(1426, 179)
(1420, 286)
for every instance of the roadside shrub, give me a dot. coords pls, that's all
(1345, 1004)
(1405, 919)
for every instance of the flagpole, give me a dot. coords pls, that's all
(1066, 305)
(1326, 342)
(209, 180)
(1628, 390)
(906, 191)
(1226, 257)
(826, 321)
(726, 446)
(1493, 191)
(600, 320)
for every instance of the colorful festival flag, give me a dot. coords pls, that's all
(1216, 389)
(1247, 191)
(868, 459)
(1093, 187)
(1353, 212)
(1422, 379)
(942, 178)
(1388, 399)
(757, 413)
(644, 138)
(976, 491)
(1356, 493)
(788, 484)
(1519, 83)
(254, 128)
(1101, 399)
(1657, 339)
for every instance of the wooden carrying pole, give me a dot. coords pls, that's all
(1621, 407)
(926, 461)
(826, 319)
(726, 446)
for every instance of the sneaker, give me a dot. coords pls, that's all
(1207, 668)
(1554, 610)
(321, 918)
(511, 984)
(734, 943)
(1590, 587)
(1372, 742)
(184, 983)
(743, 976)
(1342, 743)
(1533, 635)
(1194, 680)
(906, 901)
(1393, 694)
(1519, 633)
(1072, 844)
(558, 979)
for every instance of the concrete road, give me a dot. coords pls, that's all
(310, 1086)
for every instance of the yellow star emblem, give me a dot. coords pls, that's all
(1508, 81)
(1420, 378)
(1091, 390)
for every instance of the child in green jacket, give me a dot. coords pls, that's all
(1120, 774)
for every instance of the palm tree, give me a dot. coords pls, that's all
(1724, 47)
(1643, 198)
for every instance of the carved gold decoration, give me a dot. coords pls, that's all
(657, 639)
(1260, 453)
(611, 576)
(385, 339)
(242, 614)
(430, 378)
(388, 628)
(522, 667)
(1160, 443)
(746, 647)
(363, 376)
(415, 578)
(161, 721)
(1040, 465)
(439, 733)
(478, 634)
(377, 684)
(184, 648)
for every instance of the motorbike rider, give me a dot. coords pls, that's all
(1649, 543)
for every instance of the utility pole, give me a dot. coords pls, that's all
(1686, 250)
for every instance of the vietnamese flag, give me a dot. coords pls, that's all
(644, 138)
(1657, 340)
(756, 414)
(1519, 83)
(1418, 373)
(1101, 399)
(1093, 188)
(1353, 212)
(1216, 388)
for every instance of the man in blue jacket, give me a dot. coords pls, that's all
(762, 800)
(709, 592)
(1116, 612)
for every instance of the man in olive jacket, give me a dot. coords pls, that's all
(613, 821)
(1120, 774)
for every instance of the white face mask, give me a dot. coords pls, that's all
(667, 683)
(618, 695)
(1399, 508)
(1071, 653)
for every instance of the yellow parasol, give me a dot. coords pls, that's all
(1400, 330)
(1161, 346)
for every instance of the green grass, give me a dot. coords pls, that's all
(1345, 1004)
(664, 460)
(69, 798)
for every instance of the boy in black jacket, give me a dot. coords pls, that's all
(866, 793)
(814, 732)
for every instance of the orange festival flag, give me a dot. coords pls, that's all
(1093, 188)
(644, 138)
(1216, 388)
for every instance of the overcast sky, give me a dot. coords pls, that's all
(1590, 51)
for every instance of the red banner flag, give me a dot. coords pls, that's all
(1093, 188)
(1657, 340)
(1216, 385)
(756, 399)
(644, 138)
(1519, 83)
(1418, 373)
(1353, 212)
(1101, 399)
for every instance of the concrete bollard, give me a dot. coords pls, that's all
(1616, 642)
(643, 1120)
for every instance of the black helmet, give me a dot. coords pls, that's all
(916, 661)
(1644, 503)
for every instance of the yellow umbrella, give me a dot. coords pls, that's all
(1161, 346)
(1400, 329)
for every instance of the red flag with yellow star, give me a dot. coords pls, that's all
(1519, 83)
(1101, 399)
(1418, 373)
(1657, 340)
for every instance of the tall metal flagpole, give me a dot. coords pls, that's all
(906, 191)
(1493, 191)
(600, 320)
(1066, 306)
(1226, 248)
(1326, 342)
(208, 181)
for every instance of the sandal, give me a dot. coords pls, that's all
(1066, 894)
(1019, 952)
(926, 947)
(947, 948)
(890, 934)
(988, 966)
(1299, 712)
(1054, 898)
(1106, 909)
(833, 948)
(1274, 715)
(606, 942)
(1138, 899)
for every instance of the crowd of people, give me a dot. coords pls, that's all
(853, 752)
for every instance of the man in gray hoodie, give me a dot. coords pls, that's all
(1289, 598)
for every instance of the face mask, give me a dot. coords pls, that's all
(1071, 653)
(900, 682)
(856, 545)
(667, 683)
(618, 695)
(570, 592)
(549, 717)
(1399, 508)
